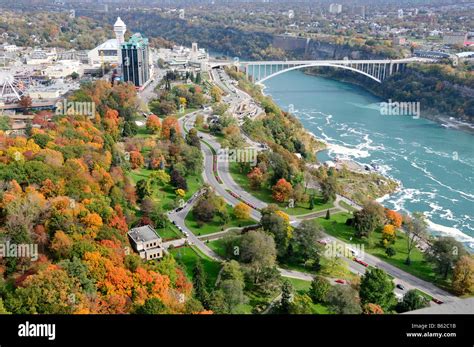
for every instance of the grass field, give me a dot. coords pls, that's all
(335, 226)
(215, 225)
(169, 233)
(302, 287)
(188, 257)
(265, 195)
(217, 246)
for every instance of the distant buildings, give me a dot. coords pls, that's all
(454, 38)
(136, 61)
(335, 8)
(399, 41)
(146, 242)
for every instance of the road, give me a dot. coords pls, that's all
(229, 185)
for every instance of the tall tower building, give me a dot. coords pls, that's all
(120, 28)
(136, 61)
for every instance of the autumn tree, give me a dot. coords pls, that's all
(282, 190)
(256, 178)
(153, 124)
(242, 211)
(170, 126)
(136, 160)
(463, 275)
(394, 218)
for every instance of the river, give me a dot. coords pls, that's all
(433, 164)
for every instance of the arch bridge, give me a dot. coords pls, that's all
(377, 70)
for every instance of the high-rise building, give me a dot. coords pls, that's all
(136, 61)
(119, 28)
(335, 8)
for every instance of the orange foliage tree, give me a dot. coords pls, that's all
(282, 190)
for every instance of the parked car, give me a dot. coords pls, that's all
(340, 281)
(400, 286)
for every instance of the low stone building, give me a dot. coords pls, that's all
(146, 242)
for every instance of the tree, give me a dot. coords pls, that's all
(372, 309)
(415, 229)
(377, 287)
(343, 300)
(394, 218)
(199, 284)
(301, 304)
(444, 253)
(61, 244)
(329, 188)
(130, 129)
(25, 103)
(242, 211)
(390, 252)
(370, 217)
(152, 306)
(143, 189)
(319, 289)
(233, 291)
(153, 124)
(136, 160)
(328, 215)
(305, 238)
(463, 275)
(388, 233)
(256, 178)
(231, 270)
(170, 125)
(204, 210)
(286, 297)
(177, 180)
(282, 190)
(277, 223)
(412, 300)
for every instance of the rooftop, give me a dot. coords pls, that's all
(143, 234)
(462, 306)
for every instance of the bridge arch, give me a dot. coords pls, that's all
(323, 64)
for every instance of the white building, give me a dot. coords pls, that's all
(39, 56)
(146, 242)
(335, 8)
(110, 50)
(63, 68)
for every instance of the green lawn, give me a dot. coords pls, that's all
(302, 287)
(265, 195)
(217, 246)
(188, 257)
(419, 267)
(169, 233)
(215, 225)
(166, 195)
